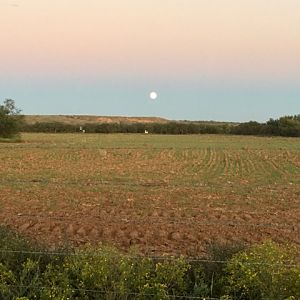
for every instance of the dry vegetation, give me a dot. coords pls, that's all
(161, 194)
(81, 120)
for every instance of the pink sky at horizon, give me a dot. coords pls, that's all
(153, 38)
(232, 60)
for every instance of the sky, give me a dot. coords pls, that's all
(226, 60)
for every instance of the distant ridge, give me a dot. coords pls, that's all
(85, 119)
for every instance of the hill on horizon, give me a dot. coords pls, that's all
(86, 119)
(90, 119)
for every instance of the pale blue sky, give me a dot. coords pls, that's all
(201, 101)
(233, 60)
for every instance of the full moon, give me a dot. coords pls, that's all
(153, 95)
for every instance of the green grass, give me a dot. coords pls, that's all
(16, 139)
(185, 160)
(141, 141)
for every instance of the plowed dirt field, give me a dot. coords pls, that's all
(160, 194)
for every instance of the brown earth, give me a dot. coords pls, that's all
(153, 227)
(69, 189)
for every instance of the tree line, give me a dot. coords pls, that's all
(12, 122)
(288, 126)
(285, 126)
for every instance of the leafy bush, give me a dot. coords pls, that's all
(105, 271)
(215, 272)
(263, 272)
(7, 279)
(10, 119)
(266, 272)
(11, 241)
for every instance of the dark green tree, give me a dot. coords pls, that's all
(11, 119)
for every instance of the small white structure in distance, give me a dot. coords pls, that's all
(146, 132)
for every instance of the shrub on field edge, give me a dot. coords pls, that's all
(20, 249)
(11, 120)
(219, 253)
(106, 271)
(266, 272)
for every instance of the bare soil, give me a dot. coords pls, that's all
(158, 200)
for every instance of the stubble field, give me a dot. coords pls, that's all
(160, 194)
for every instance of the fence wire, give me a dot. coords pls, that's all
(135, 257)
